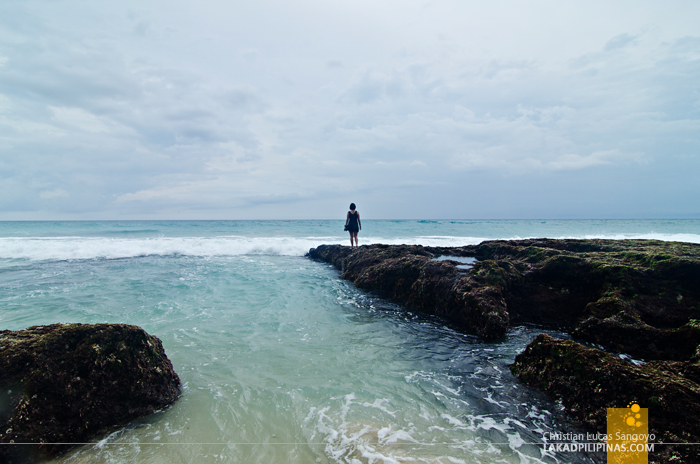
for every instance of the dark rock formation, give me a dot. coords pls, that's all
(631, 296)
(587, 381)
(408, 274)
(65, 383)
(639, 297)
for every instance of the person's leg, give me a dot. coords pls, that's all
(355, 239)
(351, 245)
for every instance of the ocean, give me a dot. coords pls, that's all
(281, 361)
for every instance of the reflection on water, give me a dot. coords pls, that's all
(468, 263)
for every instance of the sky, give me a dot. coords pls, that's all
(445, 109)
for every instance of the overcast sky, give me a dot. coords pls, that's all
(227, 109)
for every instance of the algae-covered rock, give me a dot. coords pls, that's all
(638, 297)
(631, 296)
(65, 383)
(587, 381)
(409, 275)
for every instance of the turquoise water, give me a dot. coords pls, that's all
(274, 348)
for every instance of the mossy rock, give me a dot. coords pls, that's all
(587, 381)
(648, 286)
(67, 383)
(639, 297)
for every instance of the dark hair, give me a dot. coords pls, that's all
(352, 206)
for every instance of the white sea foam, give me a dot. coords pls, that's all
(688, 238)
(67, 248)
(452, 241)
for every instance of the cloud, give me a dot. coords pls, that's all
(137, 110)
(619, 41)
(58, 193)
(370, 86)
(78, 119)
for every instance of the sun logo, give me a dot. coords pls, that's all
(633, 416)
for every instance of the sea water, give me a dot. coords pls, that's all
(282, 361)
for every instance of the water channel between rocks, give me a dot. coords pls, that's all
(279, 349)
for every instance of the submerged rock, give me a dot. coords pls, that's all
(587, 381)
(65, 383)
(631, 296)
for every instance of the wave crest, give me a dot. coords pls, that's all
(68, 248)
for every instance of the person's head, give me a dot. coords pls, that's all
(352, 206)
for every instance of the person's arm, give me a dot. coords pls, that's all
(347, 218)
(358, 220)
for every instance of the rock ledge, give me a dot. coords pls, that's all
(630, 296)
(640, 298)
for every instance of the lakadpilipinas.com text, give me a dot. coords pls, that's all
(599, 442)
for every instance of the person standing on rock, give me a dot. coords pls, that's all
(353, 224)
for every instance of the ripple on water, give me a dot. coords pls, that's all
(278, 349)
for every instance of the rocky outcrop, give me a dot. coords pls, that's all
(65, 383)
(587, 381)
(639, 297)
(631, 296)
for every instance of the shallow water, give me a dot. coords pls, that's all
(467, 263)
(274, 348)
(278, 349)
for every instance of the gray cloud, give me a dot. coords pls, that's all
(121, 110)
(619, 41)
